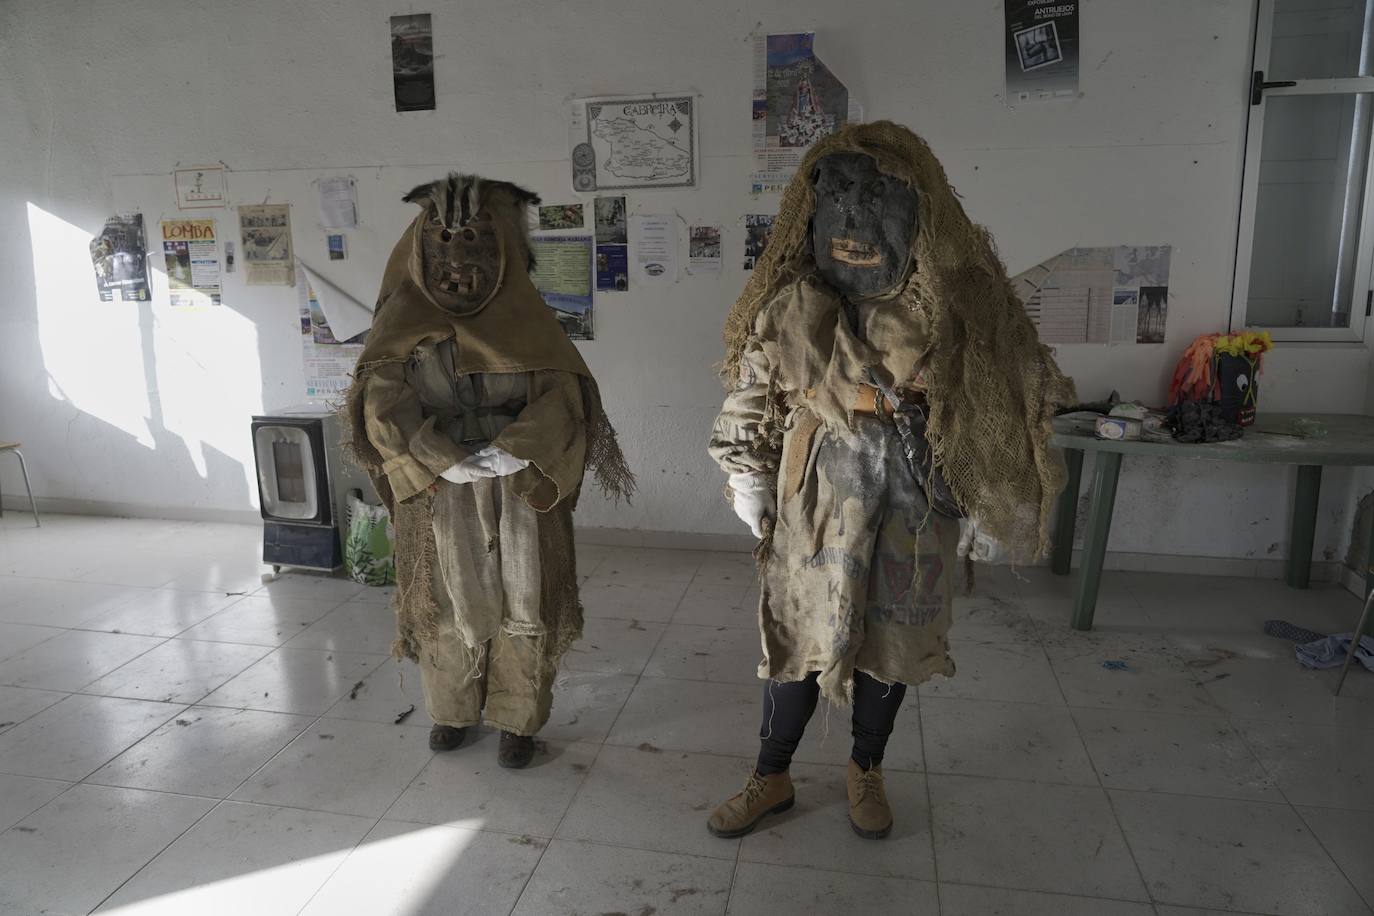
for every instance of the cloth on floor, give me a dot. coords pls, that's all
(1282, 629)
(1329, 652)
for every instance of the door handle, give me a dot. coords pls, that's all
(1258, 85)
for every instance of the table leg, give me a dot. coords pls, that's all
(1066, 518)
(1369, 573)
(1106, 470)
(1304, 530)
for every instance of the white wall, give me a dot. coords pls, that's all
(148, 408)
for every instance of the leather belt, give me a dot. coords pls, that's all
(870, 401)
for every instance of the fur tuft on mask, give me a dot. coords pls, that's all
(454, 200)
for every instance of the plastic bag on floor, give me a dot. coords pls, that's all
(368, 546)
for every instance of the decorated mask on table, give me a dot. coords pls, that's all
(469, 233)
(863, 227)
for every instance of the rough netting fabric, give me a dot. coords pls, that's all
(993, 386)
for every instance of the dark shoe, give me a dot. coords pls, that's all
(869, 813)
(445, 737)
(516, 751)
(762, 796)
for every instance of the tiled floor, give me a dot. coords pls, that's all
(176, 737)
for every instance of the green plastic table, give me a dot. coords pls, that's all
(1349, 441)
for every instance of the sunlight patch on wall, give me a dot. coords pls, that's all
(92, 350)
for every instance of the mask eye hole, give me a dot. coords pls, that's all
(446, 235)
(469, 235)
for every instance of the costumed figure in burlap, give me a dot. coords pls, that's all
(886, 387)
(476, 418)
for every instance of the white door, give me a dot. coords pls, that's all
(1303, 260)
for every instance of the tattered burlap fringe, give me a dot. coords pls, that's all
(417, 615)
(993, 385)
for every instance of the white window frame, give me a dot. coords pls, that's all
(1362, 278)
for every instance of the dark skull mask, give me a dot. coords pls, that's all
(864, 224)
(462, 239)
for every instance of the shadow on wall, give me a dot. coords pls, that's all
(149, 407)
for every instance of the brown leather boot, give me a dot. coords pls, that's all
(869, 814)
(762, 796)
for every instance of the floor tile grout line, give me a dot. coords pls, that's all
(930, 804)
(1111, 805)
(586, 777)
(1368, 902)
(553, 834)
(153, 858)
(213, 808)
(1094, 897)
(363, 839)
(1297, 812)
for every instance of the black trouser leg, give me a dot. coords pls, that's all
(875, 711)
(786, 710)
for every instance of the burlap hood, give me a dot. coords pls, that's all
(513, 332)
(992, 385)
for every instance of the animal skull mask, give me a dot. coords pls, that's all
(864, 225)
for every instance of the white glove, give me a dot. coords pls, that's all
(976, 543)
(754, 500)
(488, 462)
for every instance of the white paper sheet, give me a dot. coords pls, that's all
(654, 244)
(347, 316)
(338, 203)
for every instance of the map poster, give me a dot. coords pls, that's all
(563, 276)
(634, 143)
(1041, 50)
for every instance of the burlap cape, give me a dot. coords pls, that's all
(514, 332)
(992, 386)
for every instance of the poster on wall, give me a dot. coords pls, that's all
(1041, 50)
(758, 229)
(190, 251)
(412, 62)
(199, 186)
(703, 249)
(655, 248)
(562, 216)
(120, 257)
(612, 244)
(265, 230)
(1142, 290)
(637, 142)
(338, 202)
(563, 276)
(1111, 295)
(797, 100)
(328, 361)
